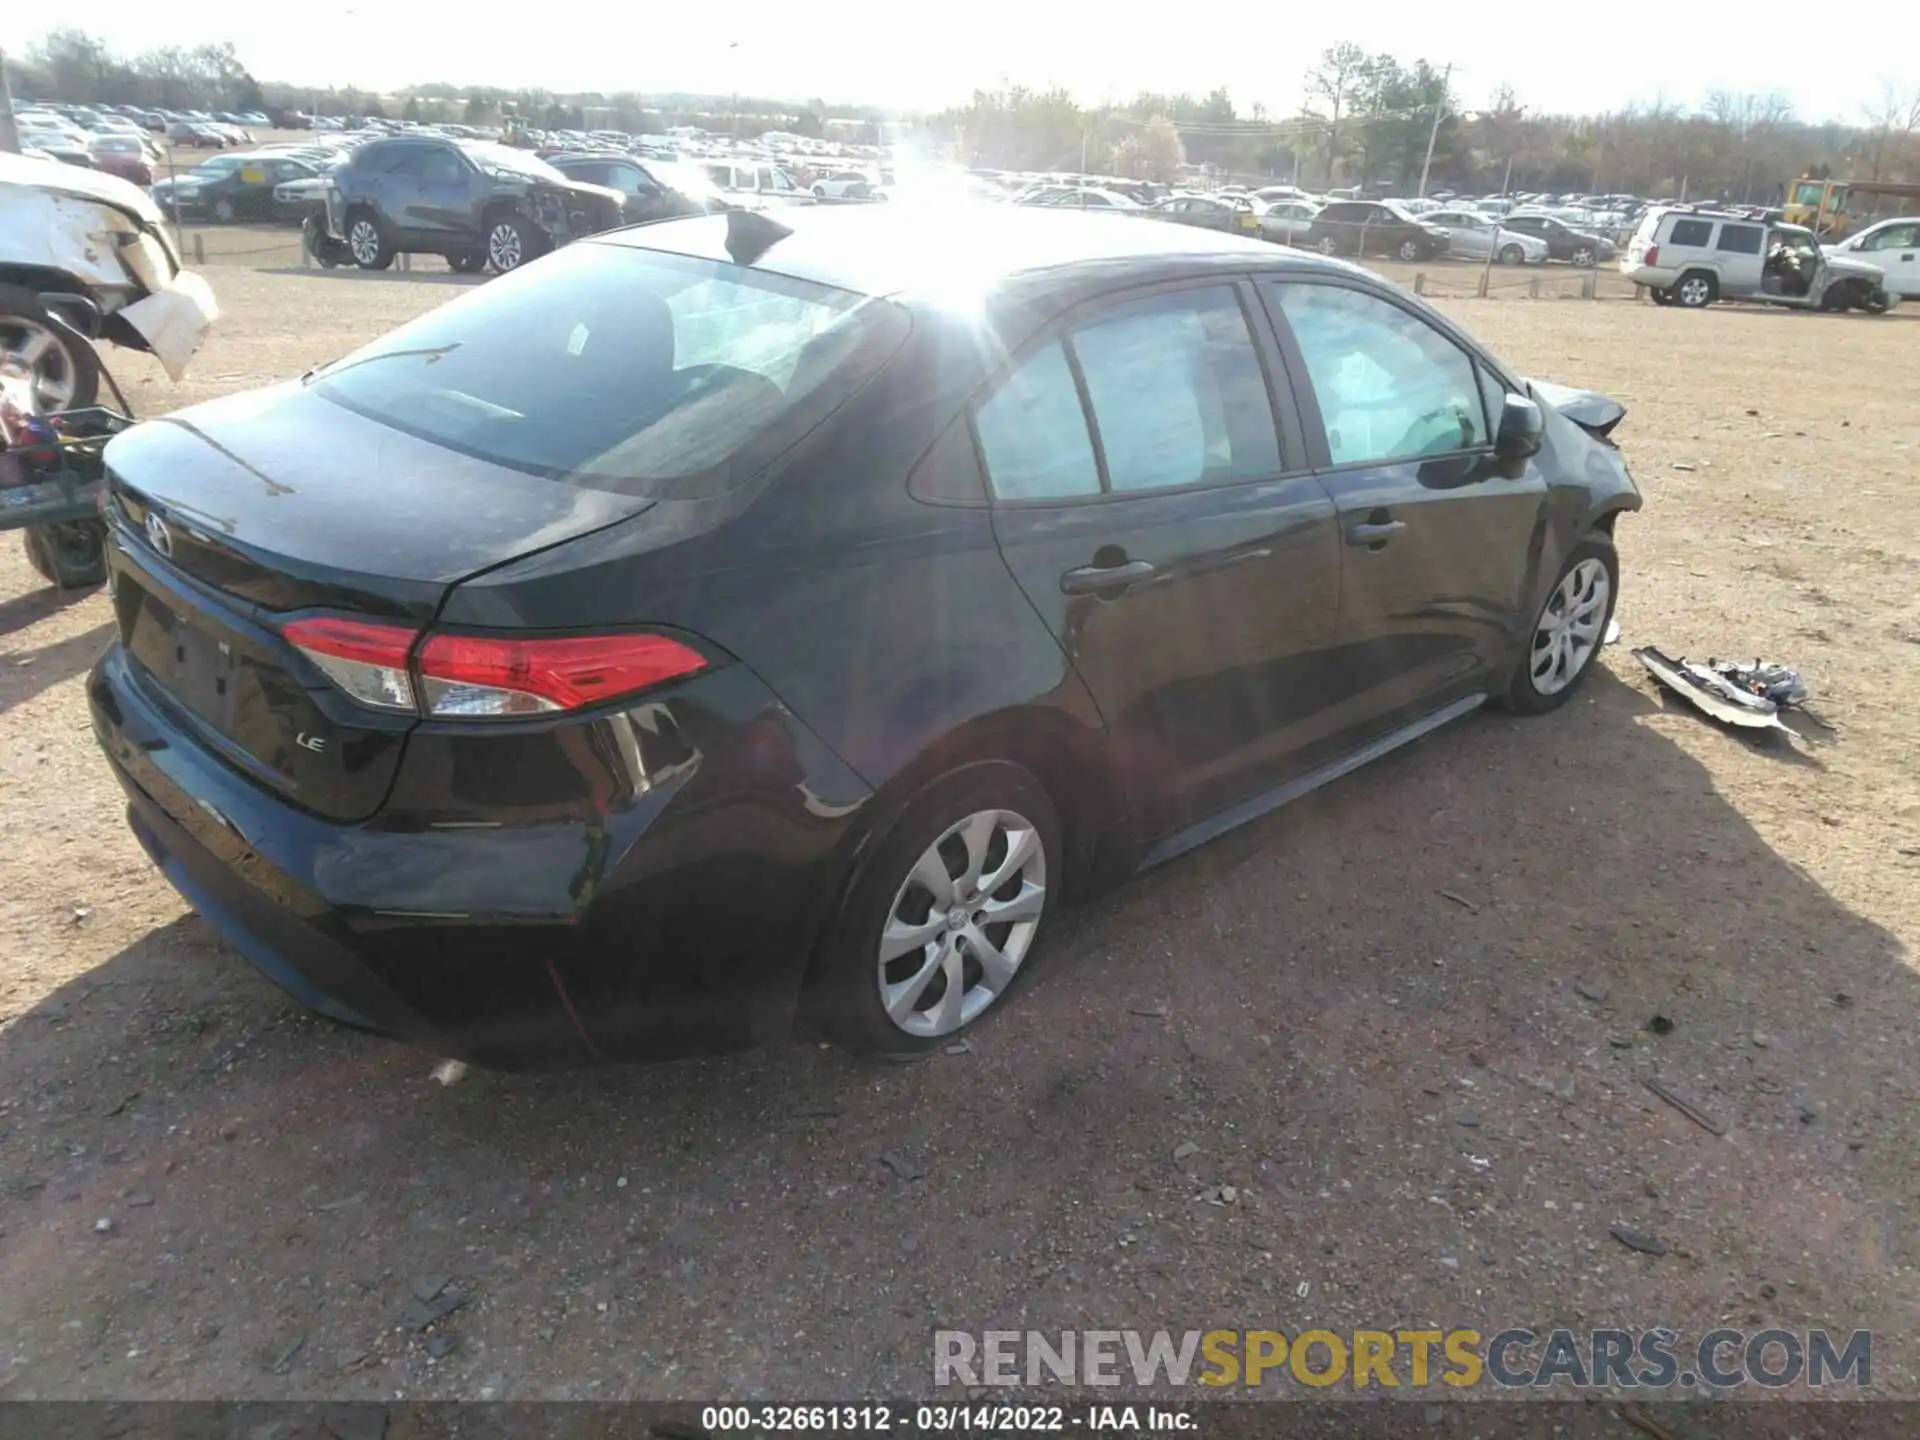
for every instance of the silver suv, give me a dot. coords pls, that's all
(1691, 258)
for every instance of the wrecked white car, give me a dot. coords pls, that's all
(88, 249)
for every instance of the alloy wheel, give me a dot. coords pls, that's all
(364, 241)
(1568, 631)
(39, 352)
(1409, 250)
(503, 246)
(1583, 256)
(961, 923)
(1694, 292)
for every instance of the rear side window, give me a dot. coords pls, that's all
(1033, 433)
(625, 369)
(1177, 394)
(1177, 391)
(1740, 239)
(1694, 233)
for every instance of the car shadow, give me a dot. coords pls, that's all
(1395, 1021)
(33, 606)
(25, 673)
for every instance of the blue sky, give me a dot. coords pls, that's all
(1585, 59)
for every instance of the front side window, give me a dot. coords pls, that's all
(1389, 386)
(621, 368)
(1894, 237)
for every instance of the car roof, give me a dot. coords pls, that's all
(886, 250)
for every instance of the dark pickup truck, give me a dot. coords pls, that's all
(477, 203)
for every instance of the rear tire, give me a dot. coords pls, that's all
(1327, 245)
(1563, 643)
(70, 555)
(1695, 290)
(1008, 815)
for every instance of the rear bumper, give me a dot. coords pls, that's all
(678, 922)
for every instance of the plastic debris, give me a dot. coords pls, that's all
(1735, 694)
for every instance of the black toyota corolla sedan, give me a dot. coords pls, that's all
(736, 624)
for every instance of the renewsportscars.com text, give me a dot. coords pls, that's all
(1513, 1358)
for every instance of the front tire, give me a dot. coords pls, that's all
(1584, 257)
(941, 921)
(62, 371)
(368, 241)
(1409, 250)
(1567, 631)
(1327, 245)
(511, 242)
(1512, 255)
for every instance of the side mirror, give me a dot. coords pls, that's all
(1522, 429)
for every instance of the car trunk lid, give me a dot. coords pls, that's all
(231, 520)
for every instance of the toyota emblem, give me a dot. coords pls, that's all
(158, 534)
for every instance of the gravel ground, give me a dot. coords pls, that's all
(1404, 1020)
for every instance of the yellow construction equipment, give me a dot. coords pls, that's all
(1830, 208)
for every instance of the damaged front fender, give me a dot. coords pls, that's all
(100, 237)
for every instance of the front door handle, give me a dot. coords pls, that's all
(1374, 533)
(1096, 579)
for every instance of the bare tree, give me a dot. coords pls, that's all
(1343, 68)
(1749, 122)
(1892, 122)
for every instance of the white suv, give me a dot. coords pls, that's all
(1691, 258)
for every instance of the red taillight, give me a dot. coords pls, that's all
(1652, 255)
(455, 676)
(365, 658)
(465, 675)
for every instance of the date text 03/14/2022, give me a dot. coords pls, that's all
(985, 1419)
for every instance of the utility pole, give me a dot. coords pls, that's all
(1433, 135)
(9, 132)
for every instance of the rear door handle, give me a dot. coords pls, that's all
(1094, 579)
(1374, 533)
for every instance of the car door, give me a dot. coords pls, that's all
(1468, 236)
(447, 202)
(1738, 249)
(1440, 541)
(1159, 514)
(1895, 249)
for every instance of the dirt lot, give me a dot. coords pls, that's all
(1403, 1019)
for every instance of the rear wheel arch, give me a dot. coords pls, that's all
(1067, 760)
(1069, 767)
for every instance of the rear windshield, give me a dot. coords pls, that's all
(624, 369)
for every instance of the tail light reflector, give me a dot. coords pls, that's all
(365, 658)
(1653, 255)
(478, 675)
